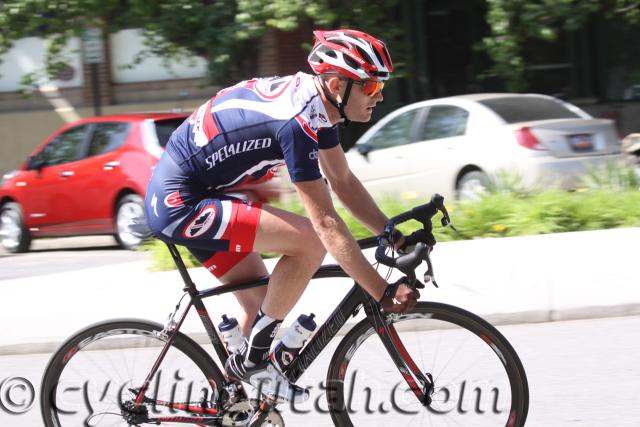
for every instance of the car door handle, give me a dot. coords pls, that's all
(67, 174)
(110, 165)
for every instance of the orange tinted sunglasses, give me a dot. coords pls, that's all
(370, 87)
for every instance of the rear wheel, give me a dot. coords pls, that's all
(89, 380)
(477, 376)
(129, 208)
(14, 235)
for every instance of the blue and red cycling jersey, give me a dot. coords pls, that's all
(239, 137)
(247, 131)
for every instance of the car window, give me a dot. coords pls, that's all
(107, 137)
(396, 132)
(66, 147)
(515, 109)
(444, 121)
(164, 129)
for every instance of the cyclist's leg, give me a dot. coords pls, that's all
(230, 268)
(250, 268)
(221, 224)
(180, 214)
(275, 230)
(302, 252)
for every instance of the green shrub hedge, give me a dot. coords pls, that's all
(499, 214)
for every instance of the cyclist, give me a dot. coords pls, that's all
(235, 142)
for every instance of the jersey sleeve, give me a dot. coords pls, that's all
(328, 138)
(300, 150)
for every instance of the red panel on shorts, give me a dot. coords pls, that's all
(241, 233)
(221, 262)
(247, 218)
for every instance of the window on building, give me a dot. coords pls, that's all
(549, 67)
(622, 59)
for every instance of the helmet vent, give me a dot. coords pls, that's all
(351, 62)
(339, 43)
(365, 55)
(331, 53)
(378, 56)
(386, 54)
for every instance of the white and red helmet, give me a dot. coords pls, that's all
(351, 53)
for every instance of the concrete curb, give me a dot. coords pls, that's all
(495, 319)
(542, 278)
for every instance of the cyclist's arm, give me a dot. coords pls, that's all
(350, 190)
(336, 237)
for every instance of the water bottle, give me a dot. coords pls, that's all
(231, 334)
(289, 347)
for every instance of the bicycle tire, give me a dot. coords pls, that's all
(84, 366)
(421, 330)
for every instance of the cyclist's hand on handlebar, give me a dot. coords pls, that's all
(398, 239)
(410, 241)
(399, 297)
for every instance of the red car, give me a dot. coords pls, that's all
(87, 178)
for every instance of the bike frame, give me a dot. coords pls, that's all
(355, 299)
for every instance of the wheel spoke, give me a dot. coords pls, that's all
(113, 358)
(471, 379)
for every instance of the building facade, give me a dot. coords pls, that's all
(596, 67)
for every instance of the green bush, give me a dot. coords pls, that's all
(498, 214)
(608, 198)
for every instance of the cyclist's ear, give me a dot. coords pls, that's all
(334, 84)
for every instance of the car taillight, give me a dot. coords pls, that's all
(527, 139)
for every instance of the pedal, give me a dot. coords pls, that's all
(246, 412)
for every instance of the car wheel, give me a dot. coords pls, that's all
(472, 185)
(14, 235)
(129, 208)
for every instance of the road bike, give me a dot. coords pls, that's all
(437, 365)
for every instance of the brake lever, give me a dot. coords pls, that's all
(446, 219)
(429, 274)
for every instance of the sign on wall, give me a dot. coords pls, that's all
(92, 46)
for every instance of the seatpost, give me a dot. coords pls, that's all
(189, 286)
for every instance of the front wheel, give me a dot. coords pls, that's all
(14, 235)
(477, 375)
(92, 378)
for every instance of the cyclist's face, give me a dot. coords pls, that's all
(360, 105)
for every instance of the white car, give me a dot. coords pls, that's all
(455, 145)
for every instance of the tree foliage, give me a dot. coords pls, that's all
(222, 31)
(512, 22)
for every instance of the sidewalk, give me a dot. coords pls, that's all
(508, 280)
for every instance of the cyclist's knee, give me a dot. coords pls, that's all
(309, 245)
(317, 250)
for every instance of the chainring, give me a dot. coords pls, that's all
(239, 415)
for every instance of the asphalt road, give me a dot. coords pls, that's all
(582, 373)
(49, 256)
